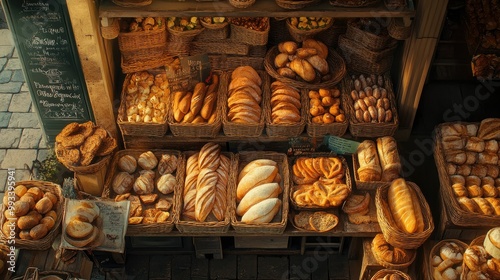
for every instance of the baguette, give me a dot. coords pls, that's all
(220, 202)
(400, 200)
(256, 195)
(198, 98)
(258, 176)
(262, 212)
(205, 193)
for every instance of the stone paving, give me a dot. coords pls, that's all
(21, 138)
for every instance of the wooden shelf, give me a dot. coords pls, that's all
(165, 8)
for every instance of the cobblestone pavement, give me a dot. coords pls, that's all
(21, 138)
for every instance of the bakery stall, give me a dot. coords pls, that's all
(266, 127)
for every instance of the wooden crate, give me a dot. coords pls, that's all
(208, 246)
(266, 242)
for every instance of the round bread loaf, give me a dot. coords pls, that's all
(492, 242)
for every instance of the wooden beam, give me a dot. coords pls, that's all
(95, 61)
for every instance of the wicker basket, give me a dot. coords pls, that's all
(399, 29)
(354, 3)
(145, 64)
(350, 47)
(478, 241)
(247, 36)
(331, 36)
(178, 49)
(130, 42)
(278, 224)
(220, 47)
(294, 187)
(359, 64)
(396, 266)
(198, 129)
(112, 30)
(241, 3)
(284, 130)
(257, 51)
(295, 5)
(320, 130)
(33, 273)
(435, 252)
(369, 40)
(300, 35)
(238, 129)
(154, 228)
(335, 61)
(132, 3)
(138, 128)
(229, 63)
(278, 32)
(395, 236)
(45, 242)
(458, 216)
(211, 225)
(176, 36)
(373, 130)
(383, 272)
(213, 32)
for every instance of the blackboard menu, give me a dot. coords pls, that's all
(44, 40)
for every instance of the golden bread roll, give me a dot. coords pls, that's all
(475, 144)
(402, 203)
(304, 69)
(468, 204)
(369, 163)
(495, 203)
(262, 212)
(44, 205)
(321, 48)
(319, 63)
(39, 231)
(484, 206)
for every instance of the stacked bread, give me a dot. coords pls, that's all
(148, 183)
(324, 106)
(319, 221)
(478, 261)
(33, 210)
(83, 144)
(371, 100)
(146, 98)
(244, 96)
(319, 182)
(472, 162)
(357, 208)
(405, 207)
(285, 104)
(307, 63)
(380, 161)
(447, 261)
(205, 185)
(386, 253)
(198, 106)
(257, 192)
(83, 225)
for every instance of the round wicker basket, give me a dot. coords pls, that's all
(300, 35)
(295, 4)
(382, 273)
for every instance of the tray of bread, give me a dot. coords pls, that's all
(446, 259)
(481, 259)
(148, 179)
(376, 162)
(260, 198)
(320, 181)
(466, 156)
(360, 212)
(316, 221)
(203, 196)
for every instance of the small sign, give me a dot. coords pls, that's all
(342, 146)
(186, 72)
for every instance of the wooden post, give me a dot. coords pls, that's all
(97, 61)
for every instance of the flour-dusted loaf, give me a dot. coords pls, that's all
(262, 212)
(256, 195)
(369, 163)
(405, 207)
(389, 158)
(258, 176)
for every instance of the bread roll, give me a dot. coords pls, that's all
(475, 144)
(369, 164)
(487, 158)
(39, 231)
(21, 208)
(27, 222)
(495, 203)
(484, 206)
(147, 160)
(455, 156)
(127, 163)
(400, 200)
(256, 195)
(262, 212)
(258, 176)
(453, 142)
(389, 158)
(319, 64)
(455, 129)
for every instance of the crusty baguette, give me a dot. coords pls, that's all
(253, 164)
(197, 98)
(262, 212)
(205, 193)
(258, 176)
(189, 191)
(400, 202)
(209, 156)
(256, 195)
(220, 202)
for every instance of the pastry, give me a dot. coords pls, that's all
(385, 251)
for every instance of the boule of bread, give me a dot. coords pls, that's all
(389, 158)
(253, 164)
(257, 176)
(369, 163)
(256, 195)
(400, 199)
(489, 129)
(166, 183)
(127, 163)
(167, 164)
(262, 212)
(147, 160)
(143, 185)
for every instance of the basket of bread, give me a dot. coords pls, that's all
(309, 64)
(466, 156)
(194, 113)
(481, 260)
(142, 38)
(403, 214)
(296, 4)
(260, 198)
(250, 30)
(203, 196)
(216, 29)
(390, 256)
(242, 102)
(326, 114)
(376, 162)
(390, 274)
(148, 179)
(31, 214)
(285, 110)
(446, 259)
(144, 104)
(369, 102)
(320, 181)
(84, 147)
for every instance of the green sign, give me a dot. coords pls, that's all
(342, 146)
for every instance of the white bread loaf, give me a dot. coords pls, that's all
(257, 176)
(262, 212)
(253, 164)
(256, 195)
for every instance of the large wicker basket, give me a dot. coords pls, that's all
(350, 47)
(359, 129)
(320, 130)
(129, 67)
(395, 236)
(370, 40)
(45, 242)
(136, 46)
(230, 62)
(359, 64)
(478, 241)
(354, 3)
(238, 129)
(390, 265)
(300, 35)
(435, 252)
(383, 272)
(211, 225)
(458, 216)
(278, 224)
(399, 28)
(144, 229)
(296, 4)
(247, 36)
(335, 61)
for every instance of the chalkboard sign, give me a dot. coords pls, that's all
(44, 40)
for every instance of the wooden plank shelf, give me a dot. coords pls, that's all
(165, 8)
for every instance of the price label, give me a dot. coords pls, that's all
(342, 146)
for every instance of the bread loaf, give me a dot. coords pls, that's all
(190, 183)
(262, 212)
(256, 195)
(253, 164)
(197, 98)
(489, 129)
(401, 203)
(205, 193)
(220, 201)
(389, 158)
(244, 89)
(258, 176)
(369, 163)
(304, 69)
